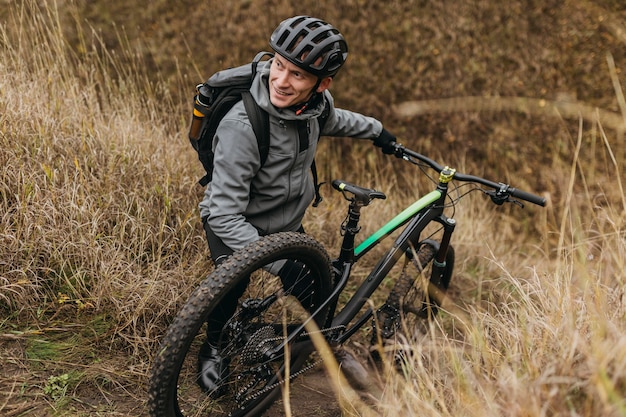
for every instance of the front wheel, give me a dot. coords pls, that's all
(417, 293)
(286, 272)
(425, 295)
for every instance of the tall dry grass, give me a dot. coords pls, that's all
(535, 323)
(98, 218)
(101, 245)
(543, 336)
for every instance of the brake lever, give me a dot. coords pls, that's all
(502, 196)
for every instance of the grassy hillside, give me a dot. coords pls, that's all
(101, 242)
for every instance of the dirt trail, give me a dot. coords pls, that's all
(312, 396)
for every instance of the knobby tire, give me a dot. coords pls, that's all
(255, 381)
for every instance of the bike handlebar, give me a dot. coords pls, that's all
(501, 191)
(531, 198)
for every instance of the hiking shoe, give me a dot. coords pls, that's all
(212, 369)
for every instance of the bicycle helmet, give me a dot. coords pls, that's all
(311, 44)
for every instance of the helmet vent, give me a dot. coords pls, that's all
(311, 44)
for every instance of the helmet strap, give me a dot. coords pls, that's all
(311, 101)
(317, 84)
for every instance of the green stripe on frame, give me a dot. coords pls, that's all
(397, 221)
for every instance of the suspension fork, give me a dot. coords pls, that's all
(439, 263)
(389, 313)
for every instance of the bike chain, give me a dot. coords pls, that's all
(291, 377)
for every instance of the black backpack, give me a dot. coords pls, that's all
(216, 97)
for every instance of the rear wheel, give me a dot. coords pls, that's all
(286, 271)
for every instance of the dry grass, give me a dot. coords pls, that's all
(101, 242)
(98, 246)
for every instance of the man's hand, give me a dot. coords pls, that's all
(385, 141)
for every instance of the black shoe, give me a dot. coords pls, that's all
(212, 368)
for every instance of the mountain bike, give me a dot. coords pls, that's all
(268, 341)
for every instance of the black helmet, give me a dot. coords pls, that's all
(303, 40)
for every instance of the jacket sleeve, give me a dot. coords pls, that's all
(347, 123)
(236, 162)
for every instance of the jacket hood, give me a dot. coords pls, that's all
(260, 92)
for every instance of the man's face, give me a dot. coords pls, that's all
(288, 84)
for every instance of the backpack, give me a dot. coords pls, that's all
(216, 97)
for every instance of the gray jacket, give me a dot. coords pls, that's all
(245, 200)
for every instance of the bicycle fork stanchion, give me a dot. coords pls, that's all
(439, 263)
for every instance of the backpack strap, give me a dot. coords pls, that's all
(259, 118)
(260, 121)
(321, 120)
(318, 196)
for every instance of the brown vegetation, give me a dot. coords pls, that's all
(101, 244)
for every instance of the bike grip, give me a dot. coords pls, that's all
(531, 198)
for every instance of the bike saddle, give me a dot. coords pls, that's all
(360, 195)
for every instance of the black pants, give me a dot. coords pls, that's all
(218, 317)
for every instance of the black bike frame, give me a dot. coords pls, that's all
(421, 213)
(418, 215)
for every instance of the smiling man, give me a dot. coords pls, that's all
(290, 85)
(245, 198)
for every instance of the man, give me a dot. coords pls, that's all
(245, 200)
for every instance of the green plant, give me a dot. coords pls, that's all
(56, 386)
